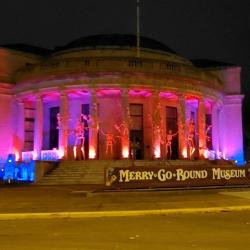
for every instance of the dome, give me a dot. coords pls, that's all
(115, 40)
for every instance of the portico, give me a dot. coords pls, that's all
(116, 111)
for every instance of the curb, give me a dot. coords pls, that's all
(98, 214)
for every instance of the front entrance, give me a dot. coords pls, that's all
(171, 133)
(136, 144)
(136, 132)
(85, 112)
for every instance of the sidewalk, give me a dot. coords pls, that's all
(17, 202)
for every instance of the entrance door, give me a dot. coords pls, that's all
(54, 131)
(85, 111)
(136, 131)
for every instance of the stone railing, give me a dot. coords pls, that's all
(46, 155)
(28, 155)
(50, 155)
(128, 65)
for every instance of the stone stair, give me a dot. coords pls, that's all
(74, 172)
(93, 171)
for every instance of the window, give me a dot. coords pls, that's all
(29, 120)
(171, 117)
(136, 116)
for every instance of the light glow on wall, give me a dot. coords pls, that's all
(17, 155)
(184, 152)
(92, 153)
(61, 153)
(35, 155)
(157, 152)
(125, 152)
(205, 153)
(74, 151)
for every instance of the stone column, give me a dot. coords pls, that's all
(38, 128)
(215, 129)
(93, 130)
(182, 127)
(156, 124)
(202, 127)
(125, 126)
(63, 127)
(231, 124)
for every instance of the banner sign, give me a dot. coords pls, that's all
(146, 177)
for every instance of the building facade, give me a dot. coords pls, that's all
(95, 99)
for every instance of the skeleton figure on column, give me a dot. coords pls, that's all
(208, 136)
(123, 130)
(190, 137)
(79, 134)
(169, 139)
(109, 139)
(59, 120)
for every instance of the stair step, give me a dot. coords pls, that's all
(92, 171)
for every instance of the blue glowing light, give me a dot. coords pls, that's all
(16, 171)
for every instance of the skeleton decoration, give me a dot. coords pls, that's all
(80, 134)
(208, 136)
(122, 129)
(59, 120)
(169, 139)
(190, 137)
(109, 140)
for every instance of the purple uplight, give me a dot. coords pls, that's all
(144, 93)
(168, 95)
(49, 96)
(78, 93)
(108, 92)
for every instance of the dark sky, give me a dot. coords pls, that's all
(212, 29)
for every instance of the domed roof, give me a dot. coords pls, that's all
(115, 40)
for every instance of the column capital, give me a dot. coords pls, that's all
(181, 97)
(156, 93)
(215, 105)
(19, 100)
(124, 91)
(201, 99)
(233, 99)
(39, 96)
(63, 93)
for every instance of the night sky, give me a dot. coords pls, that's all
(211, 29)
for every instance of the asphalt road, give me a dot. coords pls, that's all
(213, 231)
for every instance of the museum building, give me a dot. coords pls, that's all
(96, 98)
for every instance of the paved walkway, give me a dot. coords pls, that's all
(82, 201)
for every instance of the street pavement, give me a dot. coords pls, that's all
(19, 202)
(204, 231)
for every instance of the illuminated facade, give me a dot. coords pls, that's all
(160, 105)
